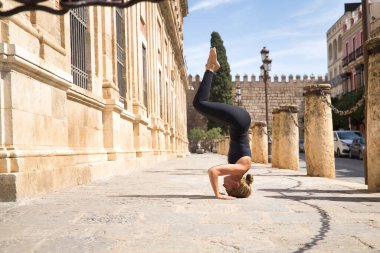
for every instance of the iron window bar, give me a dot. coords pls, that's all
(66, 5)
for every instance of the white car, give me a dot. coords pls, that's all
(343, 141)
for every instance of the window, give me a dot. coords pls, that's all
(340, 44)
(120, 41)
(353, 44)
(160, 93)
(167, 102)
(159, 42)
(335, 49)
(330, 52)
(145, 78)
(78, 30)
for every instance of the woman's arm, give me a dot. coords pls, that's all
(221, 170)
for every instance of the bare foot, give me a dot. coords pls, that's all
(212, 62)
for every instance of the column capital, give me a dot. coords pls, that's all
(315, 89)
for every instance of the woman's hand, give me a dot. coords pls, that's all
(225, 197)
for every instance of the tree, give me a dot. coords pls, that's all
(346, 102)
(212, 136)
(221, 88)
(196, 135)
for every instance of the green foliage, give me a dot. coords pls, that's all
(221, 89)
(196, 134)
(344, 103)
(214, 134)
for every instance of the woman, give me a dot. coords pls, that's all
(238, 119)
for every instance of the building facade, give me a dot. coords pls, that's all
(97, 92)
(352, 43)
(336, 53)
(345, 47)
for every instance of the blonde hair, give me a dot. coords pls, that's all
(244, 191)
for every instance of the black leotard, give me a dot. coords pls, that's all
(237, 118)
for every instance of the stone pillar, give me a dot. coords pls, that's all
(259, 145)
(319, 143)
(226, 145)
(373, 115)
(275, 137)
(288, 138)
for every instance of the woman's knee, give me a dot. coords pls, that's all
(197, 104)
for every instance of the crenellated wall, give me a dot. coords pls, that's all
(281, 90)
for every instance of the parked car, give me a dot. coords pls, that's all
(343, 141)
(302, 146)
(357, 148)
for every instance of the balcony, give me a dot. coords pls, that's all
(351, 57)
(359, 51)
(345, 61)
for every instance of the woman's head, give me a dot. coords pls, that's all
(244, 190)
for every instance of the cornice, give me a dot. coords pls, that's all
(174, 36)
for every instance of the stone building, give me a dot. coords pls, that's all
(281, 91)
(335, 50)
(97, 92)
(352, 43)
(345, 47)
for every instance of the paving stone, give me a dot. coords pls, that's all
(171, 208)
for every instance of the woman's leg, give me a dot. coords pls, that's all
(234, 116)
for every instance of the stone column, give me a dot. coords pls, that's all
(319, 143)
(288, 138)
(259, 146)
(226, 145)
(373, 115)
(275, 136)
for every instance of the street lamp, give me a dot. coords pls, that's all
(265, 68)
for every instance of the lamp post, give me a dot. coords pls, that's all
(365, 9)
(265, 68)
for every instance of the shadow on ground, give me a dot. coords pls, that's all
(167, 196)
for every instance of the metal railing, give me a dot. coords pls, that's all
(345, 61)
(359, 51)
(351, 57)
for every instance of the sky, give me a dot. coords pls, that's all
(293, 30)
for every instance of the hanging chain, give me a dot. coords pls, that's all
(343, 113)
(295, 120)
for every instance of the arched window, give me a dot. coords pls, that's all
(330, 52)
(335, 50)
(340, 46)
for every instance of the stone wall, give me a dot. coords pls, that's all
(281, 91)
(194, 118)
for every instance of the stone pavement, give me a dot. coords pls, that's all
(170, 208)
